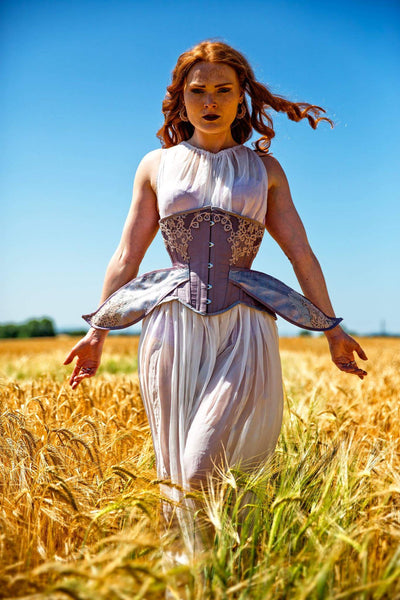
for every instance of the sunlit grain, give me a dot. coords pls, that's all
(79, 511)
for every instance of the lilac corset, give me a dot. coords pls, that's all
(212, 251)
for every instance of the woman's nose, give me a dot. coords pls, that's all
(209, 101)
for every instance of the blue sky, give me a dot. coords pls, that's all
(81, 86)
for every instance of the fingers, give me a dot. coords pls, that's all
(77, 380)
(88, 361)
(75, 373)
(69, 358)
(361, 352)
(355, 347)
(80, 373)
(351, 367)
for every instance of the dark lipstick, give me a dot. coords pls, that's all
(211, 117)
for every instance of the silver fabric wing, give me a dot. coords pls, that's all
(137, 298)
(282, 299)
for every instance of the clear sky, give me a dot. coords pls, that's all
(81, 85)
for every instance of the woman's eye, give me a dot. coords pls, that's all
(196, 91)
(224, 90)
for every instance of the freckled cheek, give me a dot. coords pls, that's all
(229, 105)
(229, 110)
(194, 106)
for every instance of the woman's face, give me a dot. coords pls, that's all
(211, 95)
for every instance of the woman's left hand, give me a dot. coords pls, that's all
(342, 347)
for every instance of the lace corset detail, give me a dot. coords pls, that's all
(176, 235)
(244, 239)
(247, 240)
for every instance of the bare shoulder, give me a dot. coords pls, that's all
(275, 172)
(148, 167)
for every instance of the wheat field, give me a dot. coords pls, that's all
(80, 501)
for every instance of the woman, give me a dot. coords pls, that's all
(208, 359)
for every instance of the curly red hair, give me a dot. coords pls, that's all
(174, 130)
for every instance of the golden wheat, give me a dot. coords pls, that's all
(80, 501)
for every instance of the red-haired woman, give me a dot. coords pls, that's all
(209, 364)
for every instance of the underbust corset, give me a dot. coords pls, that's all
(212, 251)
(210, 241)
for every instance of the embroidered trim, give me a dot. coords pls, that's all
(176, 235)
(244, 242)
(109, 319)
(225, 220)
(310, 314)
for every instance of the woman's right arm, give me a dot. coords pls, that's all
(140, 228)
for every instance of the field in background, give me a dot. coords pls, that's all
(79, 500)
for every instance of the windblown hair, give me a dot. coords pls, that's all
(175, 130)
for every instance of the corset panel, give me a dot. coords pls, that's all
(210, 241)
(238, 236)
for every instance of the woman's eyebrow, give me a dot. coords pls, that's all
(200, 85)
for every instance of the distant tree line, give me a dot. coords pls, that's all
(32, 328)
(74, 332)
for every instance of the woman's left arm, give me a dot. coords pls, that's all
(286, 227)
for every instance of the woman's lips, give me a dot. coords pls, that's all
(211, 117)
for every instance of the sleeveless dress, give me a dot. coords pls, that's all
(211, 385)
(209, 364)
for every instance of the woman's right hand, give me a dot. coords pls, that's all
(88, 352)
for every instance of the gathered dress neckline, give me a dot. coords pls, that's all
(208, 152)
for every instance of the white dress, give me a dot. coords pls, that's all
(211, 385)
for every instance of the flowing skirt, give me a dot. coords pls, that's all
(212, 391)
